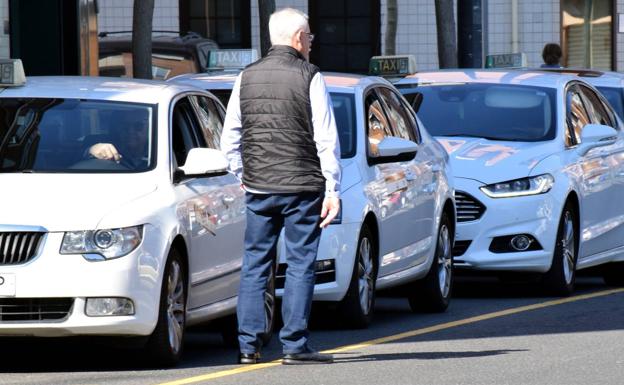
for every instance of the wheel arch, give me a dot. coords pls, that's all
(371, 222)
(573, 200)
(180, 246)
(449, 209)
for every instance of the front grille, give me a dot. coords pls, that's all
(460, 247)
(34, 309)
(18, 247)
(468, 207)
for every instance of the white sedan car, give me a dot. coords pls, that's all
(138, 246)
(538, 160)
(398, 214)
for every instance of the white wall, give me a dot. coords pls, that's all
(116, 15)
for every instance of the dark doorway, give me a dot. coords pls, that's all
(44, 34)
(347, 34)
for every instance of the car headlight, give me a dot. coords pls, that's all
(109, 243)
(520, 187)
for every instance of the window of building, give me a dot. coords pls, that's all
(228, 22)
(587, 33)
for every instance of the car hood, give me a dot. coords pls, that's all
(491, 161)
(65, 202)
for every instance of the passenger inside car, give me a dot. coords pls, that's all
(377, 127)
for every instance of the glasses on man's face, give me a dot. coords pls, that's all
(310, 36)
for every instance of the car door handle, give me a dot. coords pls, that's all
(227, 199)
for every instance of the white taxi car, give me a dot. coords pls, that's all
(398, 213)
(538, 160)
(138, 247)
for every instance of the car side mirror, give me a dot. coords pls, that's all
(596, 135)
(393, 149)
(204, 162)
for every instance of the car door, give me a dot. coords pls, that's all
(608, 229)
(400, 185)
(592, 172)
(212, 208)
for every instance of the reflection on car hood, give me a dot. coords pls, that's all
(63, 202)
(490, 161)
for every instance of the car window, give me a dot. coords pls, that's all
(597, 111)
(163, 66)
(494, 111)
(210, 120)
(576, 117)
(615, 98)
(377, 123)
(401, 123)
(55, 135)
(183, 138)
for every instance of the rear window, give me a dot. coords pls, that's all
(55, 135)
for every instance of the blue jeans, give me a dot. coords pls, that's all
(299, 214)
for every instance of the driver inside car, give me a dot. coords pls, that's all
(128, 149)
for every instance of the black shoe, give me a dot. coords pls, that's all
(307, 358)
(248, 358)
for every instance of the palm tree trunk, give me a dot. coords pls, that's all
(447, 38)
(391, 27)
(143, 13)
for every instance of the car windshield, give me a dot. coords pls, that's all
(344, 113)
(57, 135)
(492, 111)
(615, 98)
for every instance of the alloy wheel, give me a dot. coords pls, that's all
(175, 306)
(365, 275)
(444, 261)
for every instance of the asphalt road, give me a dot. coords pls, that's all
(491, 334)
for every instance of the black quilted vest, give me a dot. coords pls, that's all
(278, 149)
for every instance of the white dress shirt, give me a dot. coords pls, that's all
(325, 135)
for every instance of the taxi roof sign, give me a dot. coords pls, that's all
(11, 73)
(507, 60)
(222, 59)
(395, 65)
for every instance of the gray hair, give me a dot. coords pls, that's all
(284, 23)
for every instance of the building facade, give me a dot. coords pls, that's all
(350, 31)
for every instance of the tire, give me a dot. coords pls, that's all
(357, 306)
(613, 273)
(165, 344)
(559, 280)
(433, 293)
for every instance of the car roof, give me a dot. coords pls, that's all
(526, 77)
(336, 81)
(96, 88)
(596, 78)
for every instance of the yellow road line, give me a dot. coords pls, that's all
(400, 336)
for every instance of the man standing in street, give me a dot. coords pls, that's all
(280, 139)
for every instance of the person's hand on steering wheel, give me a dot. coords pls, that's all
(105, 151)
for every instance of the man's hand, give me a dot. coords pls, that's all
(331, 208)
(105, 151)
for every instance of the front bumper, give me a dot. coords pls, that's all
(536, 215)
(50, 275)
(339, 243)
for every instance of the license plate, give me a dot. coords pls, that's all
(7, 285)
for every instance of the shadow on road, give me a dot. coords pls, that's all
(472, 297)
(422, 355)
